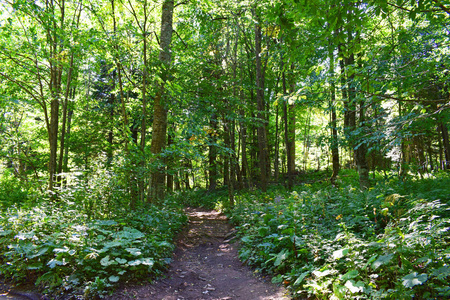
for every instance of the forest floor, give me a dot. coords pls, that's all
(206, 267)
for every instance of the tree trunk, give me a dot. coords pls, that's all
(289, 135)
(261, 113)
(276, 165)
(212, 154)
(446, 145)
(244, 168)
(169, 161)
(160, 108)
(333, 122)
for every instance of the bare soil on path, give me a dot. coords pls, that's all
(205, 267)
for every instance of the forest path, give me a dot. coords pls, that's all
(206, 267)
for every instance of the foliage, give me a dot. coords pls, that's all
(73, 246)
(202, 198)
(11, 190)
(342, 243)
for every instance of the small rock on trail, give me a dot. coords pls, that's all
(206, 267)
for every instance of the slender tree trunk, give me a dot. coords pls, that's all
(159, 106)
(288, 138)
(276, 165)
(244, 168)
(142, 159)
(170, 179)
(55, 92)
(261, 113)
(212, 154)
(446, 145)
(64, 115)
(333, 122)
(69, 125)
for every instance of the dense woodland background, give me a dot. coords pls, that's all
(322, 123)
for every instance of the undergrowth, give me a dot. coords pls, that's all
(388, 242)
(87, 240)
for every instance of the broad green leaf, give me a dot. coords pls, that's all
(246, 239)
(340, 253)
(148, 261)
(441, 273)
(5, 232)
(61, 250)
(350, 275)
(414, 279)
(354, 287)
(39, 253)
(382, 260)
(165, 244)
(130, 233)
(319, 274)
(134, 251)
(105, 261)
(300, 278)
(54, 262)
(338, 290)
(136, 262)
(114, 278)
(280, 257)
(121, 260)
(113, 244)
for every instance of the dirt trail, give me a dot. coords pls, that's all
(206, 267)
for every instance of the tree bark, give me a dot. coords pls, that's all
(289, 135)
(446, 145)
(212, 154)
(159, 106)
(261, 113)
(333, 122)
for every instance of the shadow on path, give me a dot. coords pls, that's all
(206, 267)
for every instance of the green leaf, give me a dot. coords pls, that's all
(114, 278)
(165, 244)
(338, 290)
(246, 239)
(61, 250)
(121, 260)
(414, 279)
(324, 273)
(136, 262)
(340, 253)
(39, 253)
(54, 262)
(301, 277)
(280, 257)
(350, 275)
(105, 261)
(354, 287)
(277, 279)
(134, 251)
(148, 261)
(441, 273)
(5, 232)
(112, 244)
(382, 260)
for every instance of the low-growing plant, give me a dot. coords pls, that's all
(343, 243)
(63, 251)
